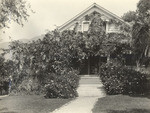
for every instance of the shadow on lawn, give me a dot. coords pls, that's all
(129, 111)
(146, 95)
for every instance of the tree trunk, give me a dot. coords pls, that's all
(146, 51)
(137, 65)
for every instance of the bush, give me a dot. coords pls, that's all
(4, 86)
(63, 86)
(5, 72)
(52, 85)
(121, 80)
(50, 61)
(28, 86)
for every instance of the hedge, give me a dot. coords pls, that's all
(63, 86)
(122, 80)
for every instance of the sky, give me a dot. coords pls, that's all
(52, 13)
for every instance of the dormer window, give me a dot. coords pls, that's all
(85, 25)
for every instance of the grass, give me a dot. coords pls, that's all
(30, 104)
(122, 104)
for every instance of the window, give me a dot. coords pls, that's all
(85, 25)
(112, 28)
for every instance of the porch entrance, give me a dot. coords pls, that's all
(91, 65)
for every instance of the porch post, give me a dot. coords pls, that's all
(89, 66)
(108, 58)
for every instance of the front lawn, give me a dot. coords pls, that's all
(122, 104)
(30, 104)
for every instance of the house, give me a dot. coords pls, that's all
(83, 24)
(80, 24)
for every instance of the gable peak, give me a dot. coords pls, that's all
(94, 7)
(94, 3)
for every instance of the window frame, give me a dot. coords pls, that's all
(82, 28)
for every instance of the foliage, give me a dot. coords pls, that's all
(56, 54)
(143, 9)
(44, 60)
(120, 51)
(140, 30)
(52, 64)
(6, 68)
(62, 86)
(122, 80)
(130, 16)
(141, 41)
(106, 43)
(2, 67)
(15, 10)
(3, 76)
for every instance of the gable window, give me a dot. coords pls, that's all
(112, 28)
(85, 25)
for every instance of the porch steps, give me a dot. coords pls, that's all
(91, 79)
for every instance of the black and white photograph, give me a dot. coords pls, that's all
(74, 56)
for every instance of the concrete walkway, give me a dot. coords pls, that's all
(90, 89)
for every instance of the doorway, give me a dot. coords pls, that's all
(90, 66)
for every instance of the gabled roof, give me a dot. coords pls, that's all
(94, 5)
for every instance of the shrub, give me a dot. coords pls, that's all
(4, 87)
(27, 87)
(5, 72)
(122, 80)
(50, 61)
(63, 86)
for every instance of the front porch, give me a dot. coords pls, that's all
(91, 65)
